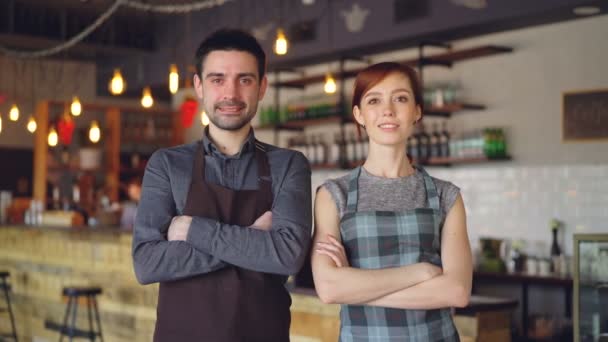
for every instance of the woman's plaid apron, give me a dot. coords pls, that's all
(383, 239)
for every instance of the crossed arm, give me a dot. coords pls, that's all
(169, 247)
(416, 286)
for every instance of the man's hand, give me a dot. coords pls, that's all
(178, 230)
(263, 222)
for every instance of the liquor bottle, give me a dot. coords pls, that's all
(334, 151)
(423, 145)
(321, 150)
(351, 152)
(413, 147)
(444, 141)
(365, 140)
(555, 249)
(435, 142)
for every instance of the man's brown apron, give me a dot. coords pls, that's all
(230, 304)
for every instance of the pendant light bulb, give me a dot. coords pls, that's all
(117, 83)
(76, 107)
(281, 44)
(204, 118)
(94, 132)
(330, 84)
(31, 125)
(53, 139)
(173, 79)
(146, 98)
(13, 114)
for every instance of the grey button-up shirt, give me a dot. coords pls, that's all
(211, 245)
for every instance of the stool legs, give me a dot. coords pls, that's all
(5, 286)
(97, 318)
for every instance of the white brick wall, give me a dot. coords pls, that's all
(517, 202)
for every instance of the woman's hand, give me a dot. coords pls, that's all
(333, 249)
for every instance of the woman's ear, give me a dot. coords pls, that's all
(358, 116)
(418, 113)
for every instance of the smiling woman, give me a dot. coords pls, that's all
(391, 243)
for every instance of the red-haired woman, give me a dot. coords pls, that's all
(391, 242)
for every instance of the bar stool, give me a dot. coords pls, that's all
(6, 287)
(69, 329)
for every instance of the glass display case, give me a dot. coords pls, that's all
(590, 287)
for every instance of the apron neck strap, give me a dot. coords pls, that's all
(353, 190)
(432, 194)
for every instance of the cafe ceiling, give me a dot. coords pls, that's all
(319, 30)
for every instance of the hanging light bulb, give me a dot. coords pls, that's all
(76, 107)
(204, 118)
(173, 79)
(94, 132)
(146, 98)
(330, 84)
(53, 139)
(117, 83)
(281, 44)
(0, 124)
(13, 115)
(31, 125)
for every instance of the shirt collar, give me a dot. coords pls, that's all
(211, 149)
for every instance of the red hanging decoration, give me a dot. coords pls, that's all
(188, 110)
(65, 129)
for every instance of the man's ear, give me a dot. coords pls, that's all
(198, 86)
(263, 87)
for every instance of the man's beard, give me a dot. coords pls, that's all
(231, 123)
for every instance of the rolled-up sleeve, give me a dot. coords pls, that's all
(283, 249)
(154, 258)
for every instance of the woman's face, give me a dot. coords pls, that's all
(388, 110)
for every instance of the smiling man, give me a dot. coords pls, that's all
(223, 221)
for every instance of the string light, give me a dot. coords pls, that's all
(31, 125)
(281, 44)
(330, 84)
(167, 9)
(146, 98)
(53, 139)
(117, 83)
(76, 107)
(173, 79)
(204, 118)
(13, 114)
(94, 132)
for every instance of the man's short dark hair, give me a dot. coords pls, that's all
(230, 39)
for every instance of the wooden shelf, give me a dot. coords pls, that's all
(447, 110)
(441, 58)
(432, 162)
(299, 125)
(448, 161)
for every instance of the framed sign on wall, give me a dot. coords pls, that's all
(585, 115)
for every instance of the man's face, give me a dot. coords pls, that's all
(230, 88)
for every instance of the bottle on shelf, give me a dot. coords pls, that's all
(435, 142)
(556, 251)
(444, 141)
(423, 144)
(351, 148)
(321, 150)
(412, 146)
(334, 151)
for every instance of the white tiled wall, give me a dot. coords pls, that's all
(518, 201)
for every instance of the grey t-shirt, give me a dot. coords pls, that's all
(391, 194)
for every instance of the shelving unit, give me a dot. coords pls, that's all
(445, 59)
(113, 170)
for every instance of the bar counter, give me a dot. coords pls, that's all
(43, 260)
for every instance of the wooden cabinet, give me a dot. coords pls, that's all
(123, 129)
